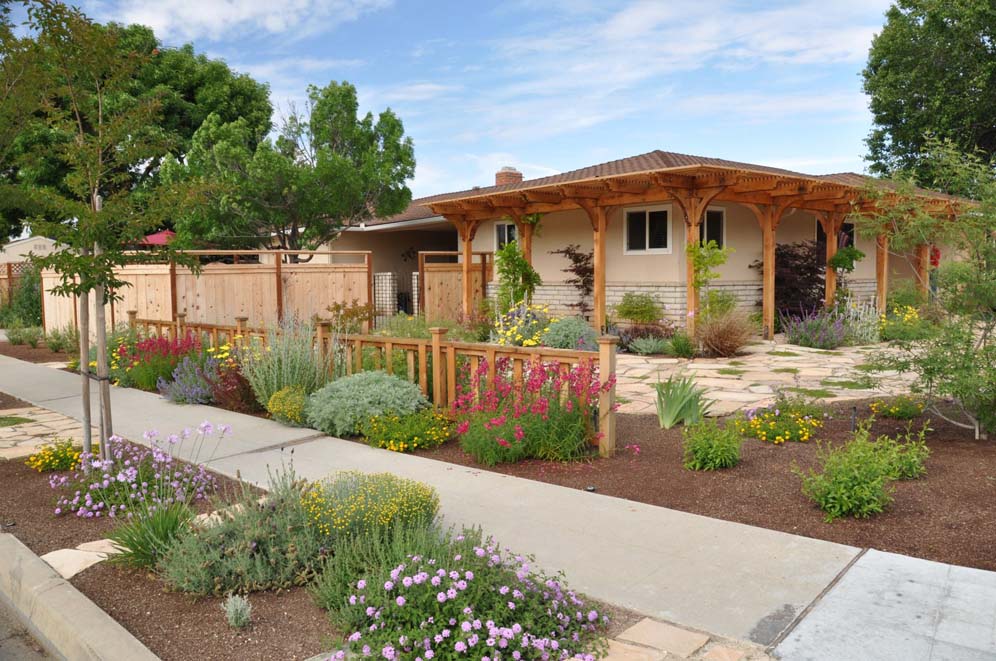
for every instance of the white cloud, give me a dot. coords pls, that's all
(295, 67)
(219, 19)
(464, 171)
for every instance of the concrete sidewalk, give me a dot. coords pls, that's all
(725, 578)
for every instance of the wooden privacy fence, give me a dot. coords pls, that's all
(10, 274)
(262, 286)
(440, 282)
(431, 364)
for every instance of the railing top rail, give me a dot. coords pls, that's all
(532, 351)
(383, 339)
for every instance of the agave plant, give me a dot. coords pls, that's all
(679, 400)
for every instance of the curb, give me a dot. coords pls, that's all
(59, 616)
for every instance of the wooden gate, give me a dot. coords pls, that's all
(440, 279)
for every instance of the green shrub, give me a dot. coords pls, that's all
(788, 419)
(145, 538)
(287, 405)
(516, 278)
(717, 303)
(59, 454)
(854, 479)
(682, 346)
(907, 454)
(679, 400)
(905, 293)
(403, 433)
(709, 446)
(661, 330)
(63, 340)
(901, 407)
(351, 503)
(571, 333)
(467, 592)
(648, 346)
(238, 611)
(290, 358)
(341, 407)
(253, 545)
(639, 308)
(25, 306)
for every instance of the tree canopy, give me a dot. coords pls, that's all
(327, 168)
(932, 70)
(187, 87)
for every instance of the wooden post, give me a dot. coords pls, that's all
(527, 242)
(279, 258)
(468, 283)
(607, 397)
(831, 222)
(240, 325)
(881, 272)
(599, 227)
(768, 276)
(10, 283)
(132, 319)
(923, 268)
(693, 221)
(420, 308)
(368, 260)
(181, 319)
(438, 397)
(172, 289)
(484, 277)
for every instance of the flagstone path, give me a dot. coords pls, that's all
(756, 377)
(43, 427)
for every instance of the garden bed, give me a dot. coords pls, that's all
(39, 354)
(286, 624)
(945, 516)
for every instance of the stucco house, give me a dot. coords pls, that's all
(19, 250)
(637, 214)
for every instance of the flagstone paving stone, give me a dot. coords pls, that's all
(665, 637)
(18, 441)
(757, 384)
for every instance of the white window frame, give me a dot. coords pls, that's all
(646, 229)
(722, 210)
(495, 234)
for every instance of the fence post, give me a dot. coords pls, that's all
(240, 325)
(438, 398)
(181, 318)
(607, 397)
(278, 259)
(132, 319)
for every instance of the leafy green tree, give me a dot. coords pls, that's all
(93, 213)
(328, 168)
(517, 279)
(931, 70)
(958, 362)
(188, 87)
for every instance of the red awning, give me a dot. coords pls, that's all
(158, 239)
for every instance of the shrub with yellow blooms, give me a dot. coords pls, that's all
(287, 405)
(785, 420)
(353, 503)
(59, 455)
(525, 325)
(404, 433)
(902, 407)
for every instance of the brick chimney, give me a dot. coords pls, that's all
(507, 175)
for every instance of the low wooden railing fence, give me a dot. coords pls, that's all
(432, 364)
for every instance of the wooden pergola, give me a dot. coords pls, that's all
(692, 183)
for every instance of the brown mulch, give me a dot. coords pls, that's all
(946, 516)
(40, 354)
(11, 402)
(286, 625)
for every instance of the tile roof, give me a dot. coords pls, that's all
(656, 160)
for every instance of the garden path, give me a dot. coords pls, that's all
(755, 377)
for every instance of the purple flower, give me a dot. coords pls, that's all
(400, 601)
(388, 586)
(460, 646)
(360, 584)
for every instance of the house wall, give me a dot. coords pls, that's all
(18, 251)
(396, 252)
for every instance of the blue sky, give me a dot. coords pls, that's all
(555, 85)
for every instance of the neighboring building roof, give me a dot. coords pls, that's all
(160, 238)
(654, 161)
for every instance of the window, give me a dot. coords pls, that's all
(846, 237)
(504, 234)
(713, 227)
(648, 230)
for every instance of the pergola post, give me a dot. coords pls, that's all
(923, 268)
(525, 230)
(831, 222)
(693, 203)
(599, 226)
(768, 217)
(881, 272)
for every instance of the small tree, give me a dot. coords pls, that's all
(582, 271)
(799, 277)
(957, 363)
(94, 215)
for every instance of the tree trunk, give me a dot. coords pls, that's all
(100, 320)
(84, 314)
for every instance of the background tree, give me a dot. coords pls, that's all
(188, 86)
(931, 70)
(327, 168)
(93, 212)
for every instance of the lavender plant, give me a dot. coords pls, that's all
(136, 480)
(191, 383)
(819, 329)
(473, 599)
